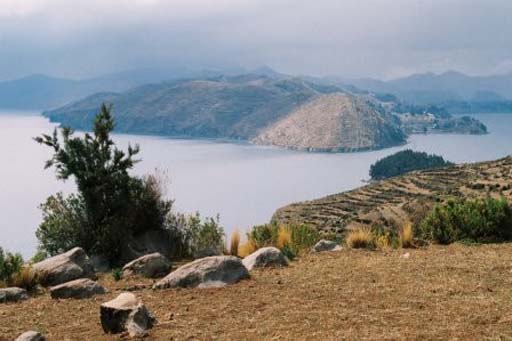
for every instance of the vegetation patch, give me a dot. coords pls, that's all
(405, 161)
(479, 220)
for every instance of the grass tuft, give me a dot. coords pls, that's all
(360, 239)
(407, 236)
(234, 243)
(246, 249)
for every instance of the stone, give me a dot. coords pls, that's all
(405, 255)
(78, 288)
(126, 314)
(326, 245)
(31, 336)
(65, 267)
(216, 271)
(265, 257)
(13, 294)
(151, 266)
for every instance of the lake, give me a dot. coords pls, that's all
(242, 183)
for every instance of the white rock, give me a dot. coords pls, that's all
(265, 257)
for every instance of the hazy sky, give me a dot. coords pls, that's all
(349, 38)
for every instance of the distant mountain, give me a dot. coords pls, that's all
(430, 88)
(39, 92)
(288, 112)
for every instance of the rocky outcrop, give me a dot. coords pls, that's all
(78, 288)
(65, 267)
(325, 245)
(126, 313)
(31, 336)
(335, 122)
(216, 271)
(151, 266)
(265, 257)
(13, 294)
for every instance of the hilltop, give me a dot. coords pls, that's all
(287, 112)
(390, 203)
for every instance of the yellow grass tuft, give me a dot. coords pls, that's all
(383, 242)
(360, 239)
(247, 248)
(284, 237)
(234, 243)
(26, 278)
(407, 236)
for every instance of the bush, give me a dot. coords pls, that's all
(117, 274)
(293, 238)
(246, 249)
(479, 220)
(10, 265)
(405, 161)
(407, 236)
(110, 207)
(25, 278)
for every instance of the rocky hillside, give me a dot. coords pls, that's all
(390, 203)
(333, 122)
(286, 112)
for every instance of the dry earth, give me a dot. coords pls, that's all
(455, 292)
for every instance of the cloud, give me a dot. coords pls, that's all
(381, 38)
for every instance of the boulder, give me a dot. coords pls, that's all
(126, 313)
(265, 257)
(326, 245)
(30, 336)
(78, 288)
(216, 271)
(151, 266)
(65, 267)
(13, 294)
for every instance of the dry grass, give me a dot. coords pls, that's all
(284, 236)
(234, 243)
(439, 292)
(407, 236)
(247, 248)
(26, 278)
(360, 239)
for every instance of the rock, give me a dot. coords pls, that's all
(405, 255)
(151, 266)
(78, 288)
(216, 271)
(65, 267)
(326, 245)
(30, 336)
(126, 313)
(13, 294)
(265, 257)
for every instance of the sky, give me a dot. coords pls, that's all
(382, 39)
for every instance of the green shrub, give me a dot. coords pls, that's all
(479, 220)
(264, 235)
(117, 274)
(293, 238)
(110, 206)
(10, 265)
(288, 252)
(303, 237)
(405, 161)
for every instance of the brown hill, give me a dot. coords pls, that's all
(333, 122)
(390, 203)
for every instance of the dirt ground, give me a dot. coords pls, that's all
(455, 292)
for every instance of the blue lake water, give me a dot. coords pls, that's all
(242, 183)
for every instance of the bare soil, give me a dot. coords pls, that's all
(451, 292)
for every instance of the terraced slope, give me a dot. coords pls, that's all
(333, 122)
(392, 202)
